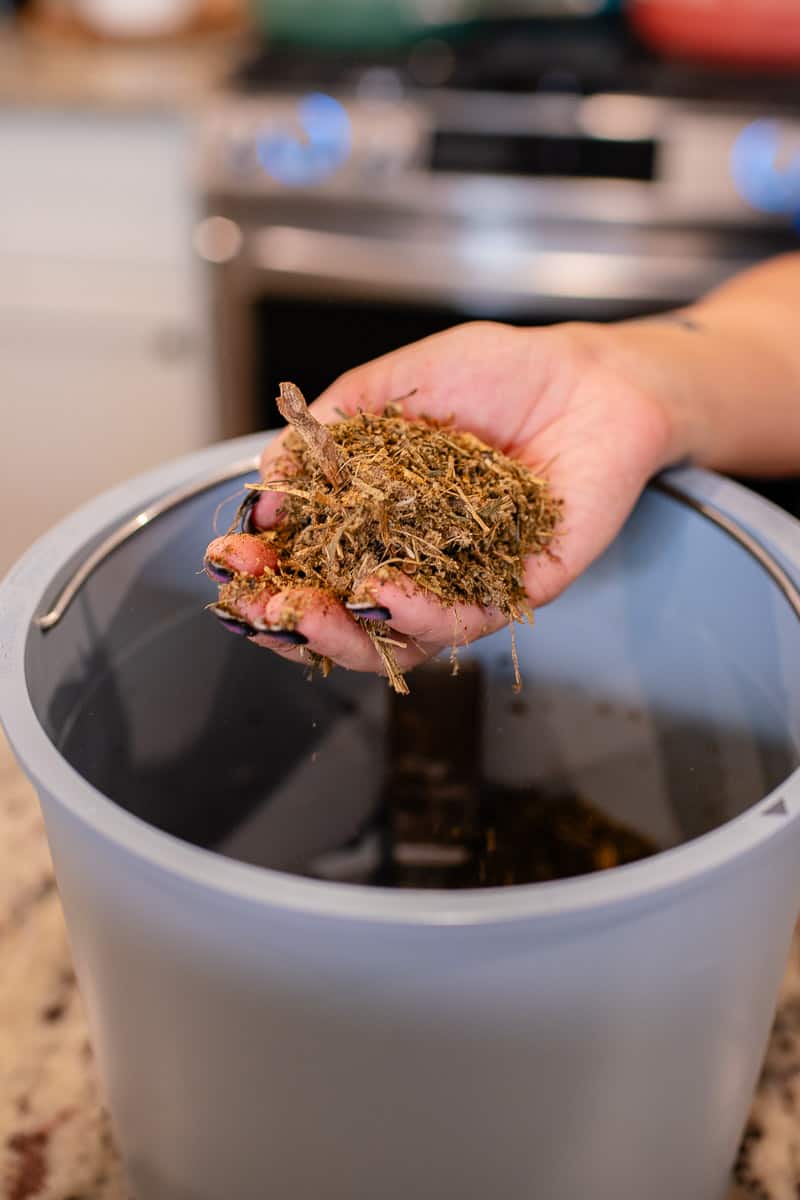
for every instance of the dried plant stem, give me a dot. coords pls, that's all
(294, 410)
(393, 672)
(515, 658)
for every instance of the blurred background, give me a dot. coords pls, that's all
(199, 198)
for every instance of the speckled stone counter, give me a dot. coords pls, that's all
(55, 1138)
(56, 1141)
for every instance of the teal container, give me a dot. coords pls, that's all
(386, 24)
(348, 24)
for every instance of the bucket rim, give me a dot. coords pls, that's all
(21, 601)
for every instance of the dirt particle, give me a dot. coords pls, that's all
(29, 1169)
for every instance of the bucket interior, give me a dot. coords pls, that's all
(659, 701)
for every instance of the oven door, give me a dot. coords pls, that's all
(307, 301)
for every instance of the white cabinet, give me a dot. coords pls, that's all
(103, 368)
(108, 186)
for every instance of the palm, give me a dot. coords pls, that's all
(539, 397)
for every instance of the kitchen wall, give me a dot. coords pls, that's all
(104, 367)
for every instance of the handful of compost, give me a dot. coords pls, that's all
(377, 494)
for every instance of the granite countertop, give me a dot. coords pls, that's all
(55, 1137)
(56, 1141)
(39, 71)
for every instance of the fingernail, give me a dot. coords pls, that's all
(245, 513)
(232, 624)
(217, 571)
(366, 610)
(290, 637)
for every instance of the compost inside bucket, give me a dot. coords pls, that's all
(657, 704)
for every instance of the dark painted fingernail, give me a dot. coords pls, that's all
(290, 637)
(245, 513)
(365, 610)
(232, 624)
(217, 571)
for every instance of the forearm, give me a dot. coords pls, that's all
(728, 371)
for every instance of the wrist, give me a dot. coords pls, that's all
(721, 377)
(662, 362)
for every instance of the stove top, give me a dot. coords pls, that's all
(520, 57)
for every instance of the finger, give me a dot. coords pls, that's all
(301, 617)
(238, 554)
(265, 508)
(331, 631)
(324, 627)
(422, 616)
(300, 654)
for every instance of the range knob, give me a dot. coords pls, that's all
(311, 144)
(765, 166)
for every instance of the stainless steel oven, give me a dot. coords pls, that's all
(344, 223)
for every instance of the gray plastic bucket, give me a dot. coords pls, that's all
(262, 1034)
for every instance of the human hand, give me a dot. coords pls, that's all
(560, 396)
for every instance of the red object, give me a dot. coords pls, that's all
(749, 32)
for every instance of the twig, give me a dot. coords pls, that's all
(515, 658)
(390, 666)
(398, 400)
(387, 641)
(473, 512)
(294, 410)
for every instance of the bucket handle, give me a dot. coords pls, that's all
(739, 534)
(120, 535)
(70, 590)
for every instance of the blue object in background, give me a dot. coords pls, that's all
(316, 144)
(766, 170)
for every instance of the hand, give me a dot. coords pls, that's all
(558, 397)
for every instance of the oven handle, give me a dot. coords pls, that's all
(471, 273)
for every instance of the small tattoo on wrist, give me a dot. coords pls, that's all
(685, 322)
